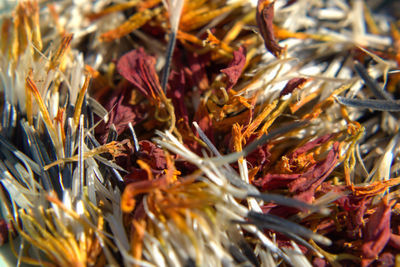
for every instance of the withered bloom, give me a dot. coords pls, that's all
(265, 17)
(300, 172)
(139, 68)
(246, 174)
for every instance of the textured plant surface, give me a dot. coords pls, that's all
(200, 133)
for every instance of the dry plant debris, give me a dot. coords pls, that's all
(200, 133)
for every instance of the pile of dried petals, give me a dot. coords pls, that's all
(200, 133)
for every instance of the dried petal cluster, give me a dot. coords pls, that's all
(200, 133)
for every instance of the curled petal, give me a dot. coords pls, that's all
(265, 17)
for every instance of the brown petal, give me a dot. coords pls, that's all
(292, 84)
(265, 17)
(3, 232)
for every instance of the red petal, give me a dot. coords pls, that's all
(319, 262)
(273, 181)
(376, 233)
(202, 117)
(319, 173)
(197, 70)
(121, 113)
(395, 241)
(176, 92)
(235, 68)
(149, 153)
(305, 183)
(139, 68)
(152, 155)
(310, 145)
(260, 156)
(387, 259)
(264, 17)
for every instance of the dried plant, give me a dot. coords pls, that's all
(200, 133)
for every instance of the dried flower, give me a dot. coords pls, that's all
(161, 133)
